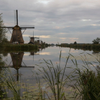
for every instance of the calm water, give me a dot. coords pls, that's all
(29, 61)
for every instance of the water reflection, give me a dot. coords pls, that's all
(28, 60)
(16, 62)
(17, 59)
(95, 52)
(18, 66)
(22, 63)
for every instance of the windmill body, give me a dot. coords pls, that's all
(17, 35)
(32, 40)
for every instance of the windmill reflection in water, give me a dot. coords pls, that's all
(17, 60)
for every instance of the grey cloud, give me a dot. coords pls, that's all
(55, 17)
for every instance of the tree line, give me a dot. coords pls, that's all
(3, 38)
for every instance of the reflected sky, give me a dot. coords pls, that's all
(24, 71)
(50, 53)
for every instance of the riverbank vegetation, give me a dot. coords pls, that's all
(3, 38)
(83, 83)
(21, 47)
(18, 47)
(94, 47)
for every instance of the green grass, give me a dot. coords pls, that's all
(20, 47)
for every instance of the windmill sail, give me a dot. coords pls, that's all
(16, 17)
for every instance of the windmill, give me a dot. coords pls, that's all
(17, 33)
(32, 39)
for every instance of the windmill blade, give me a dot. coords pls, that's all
(17, 17)
(36, 37)
(20, 27)
(27, 27)
(8, 27)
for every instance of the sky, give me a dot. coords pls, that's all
(55, 21)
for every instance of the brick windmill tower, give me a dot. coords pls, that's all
(17, 33)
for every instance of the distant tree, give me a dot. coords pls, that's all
(96, 41)
(2, 30)
(5, 40)
(75, 42)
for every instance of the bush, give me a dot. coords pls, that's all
(87, 81)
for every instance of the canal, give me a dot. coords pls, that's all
(24, 65)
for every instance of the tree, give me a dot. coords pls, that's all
(75, 42)
(2, 30)
(5, 40)
(96, 41)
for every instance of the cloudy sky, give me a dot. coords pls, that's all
(55, 21)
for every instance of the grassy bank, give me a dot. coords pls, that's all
(82, 46)
(21, 47)
(18, 47)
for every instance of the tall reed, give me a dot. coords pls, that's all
(56, 79)
(87, 80)
(9, 83)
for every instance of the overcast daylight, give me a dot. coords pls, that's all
(55, 21)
